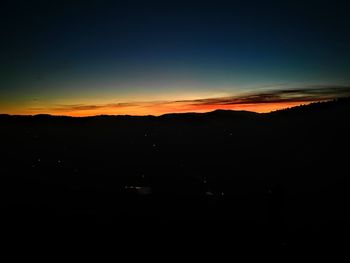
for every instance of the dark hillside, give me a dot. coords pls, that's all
(271, 175)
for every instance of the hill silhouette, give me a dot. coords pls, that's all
(273, 175)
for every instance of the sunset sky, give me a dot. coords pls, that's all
(84, 58)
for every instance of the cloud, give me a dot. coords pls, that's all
(307, 94)
(87, 107)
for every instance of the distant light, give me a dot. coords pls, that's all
(142, 190)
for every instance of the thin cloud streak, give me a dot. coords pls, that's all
(316, 93)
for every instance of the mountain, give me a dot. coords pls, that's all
(281, 174)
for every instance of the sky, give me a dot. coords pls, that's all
(83, 58)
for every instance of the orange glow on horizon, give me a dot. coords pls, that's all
(157, 108)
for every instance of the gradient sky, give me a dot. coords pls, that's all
(152, 57)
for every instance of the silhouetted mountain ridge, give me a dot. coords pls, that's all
(337, 104)
(267, 175)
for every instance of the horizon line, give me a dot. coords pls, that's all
(173, 113)
(259, 102)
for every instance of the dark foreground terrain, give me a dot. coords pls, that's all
(278, 178)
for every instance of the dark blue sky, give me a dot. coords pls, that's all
(99, 52)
